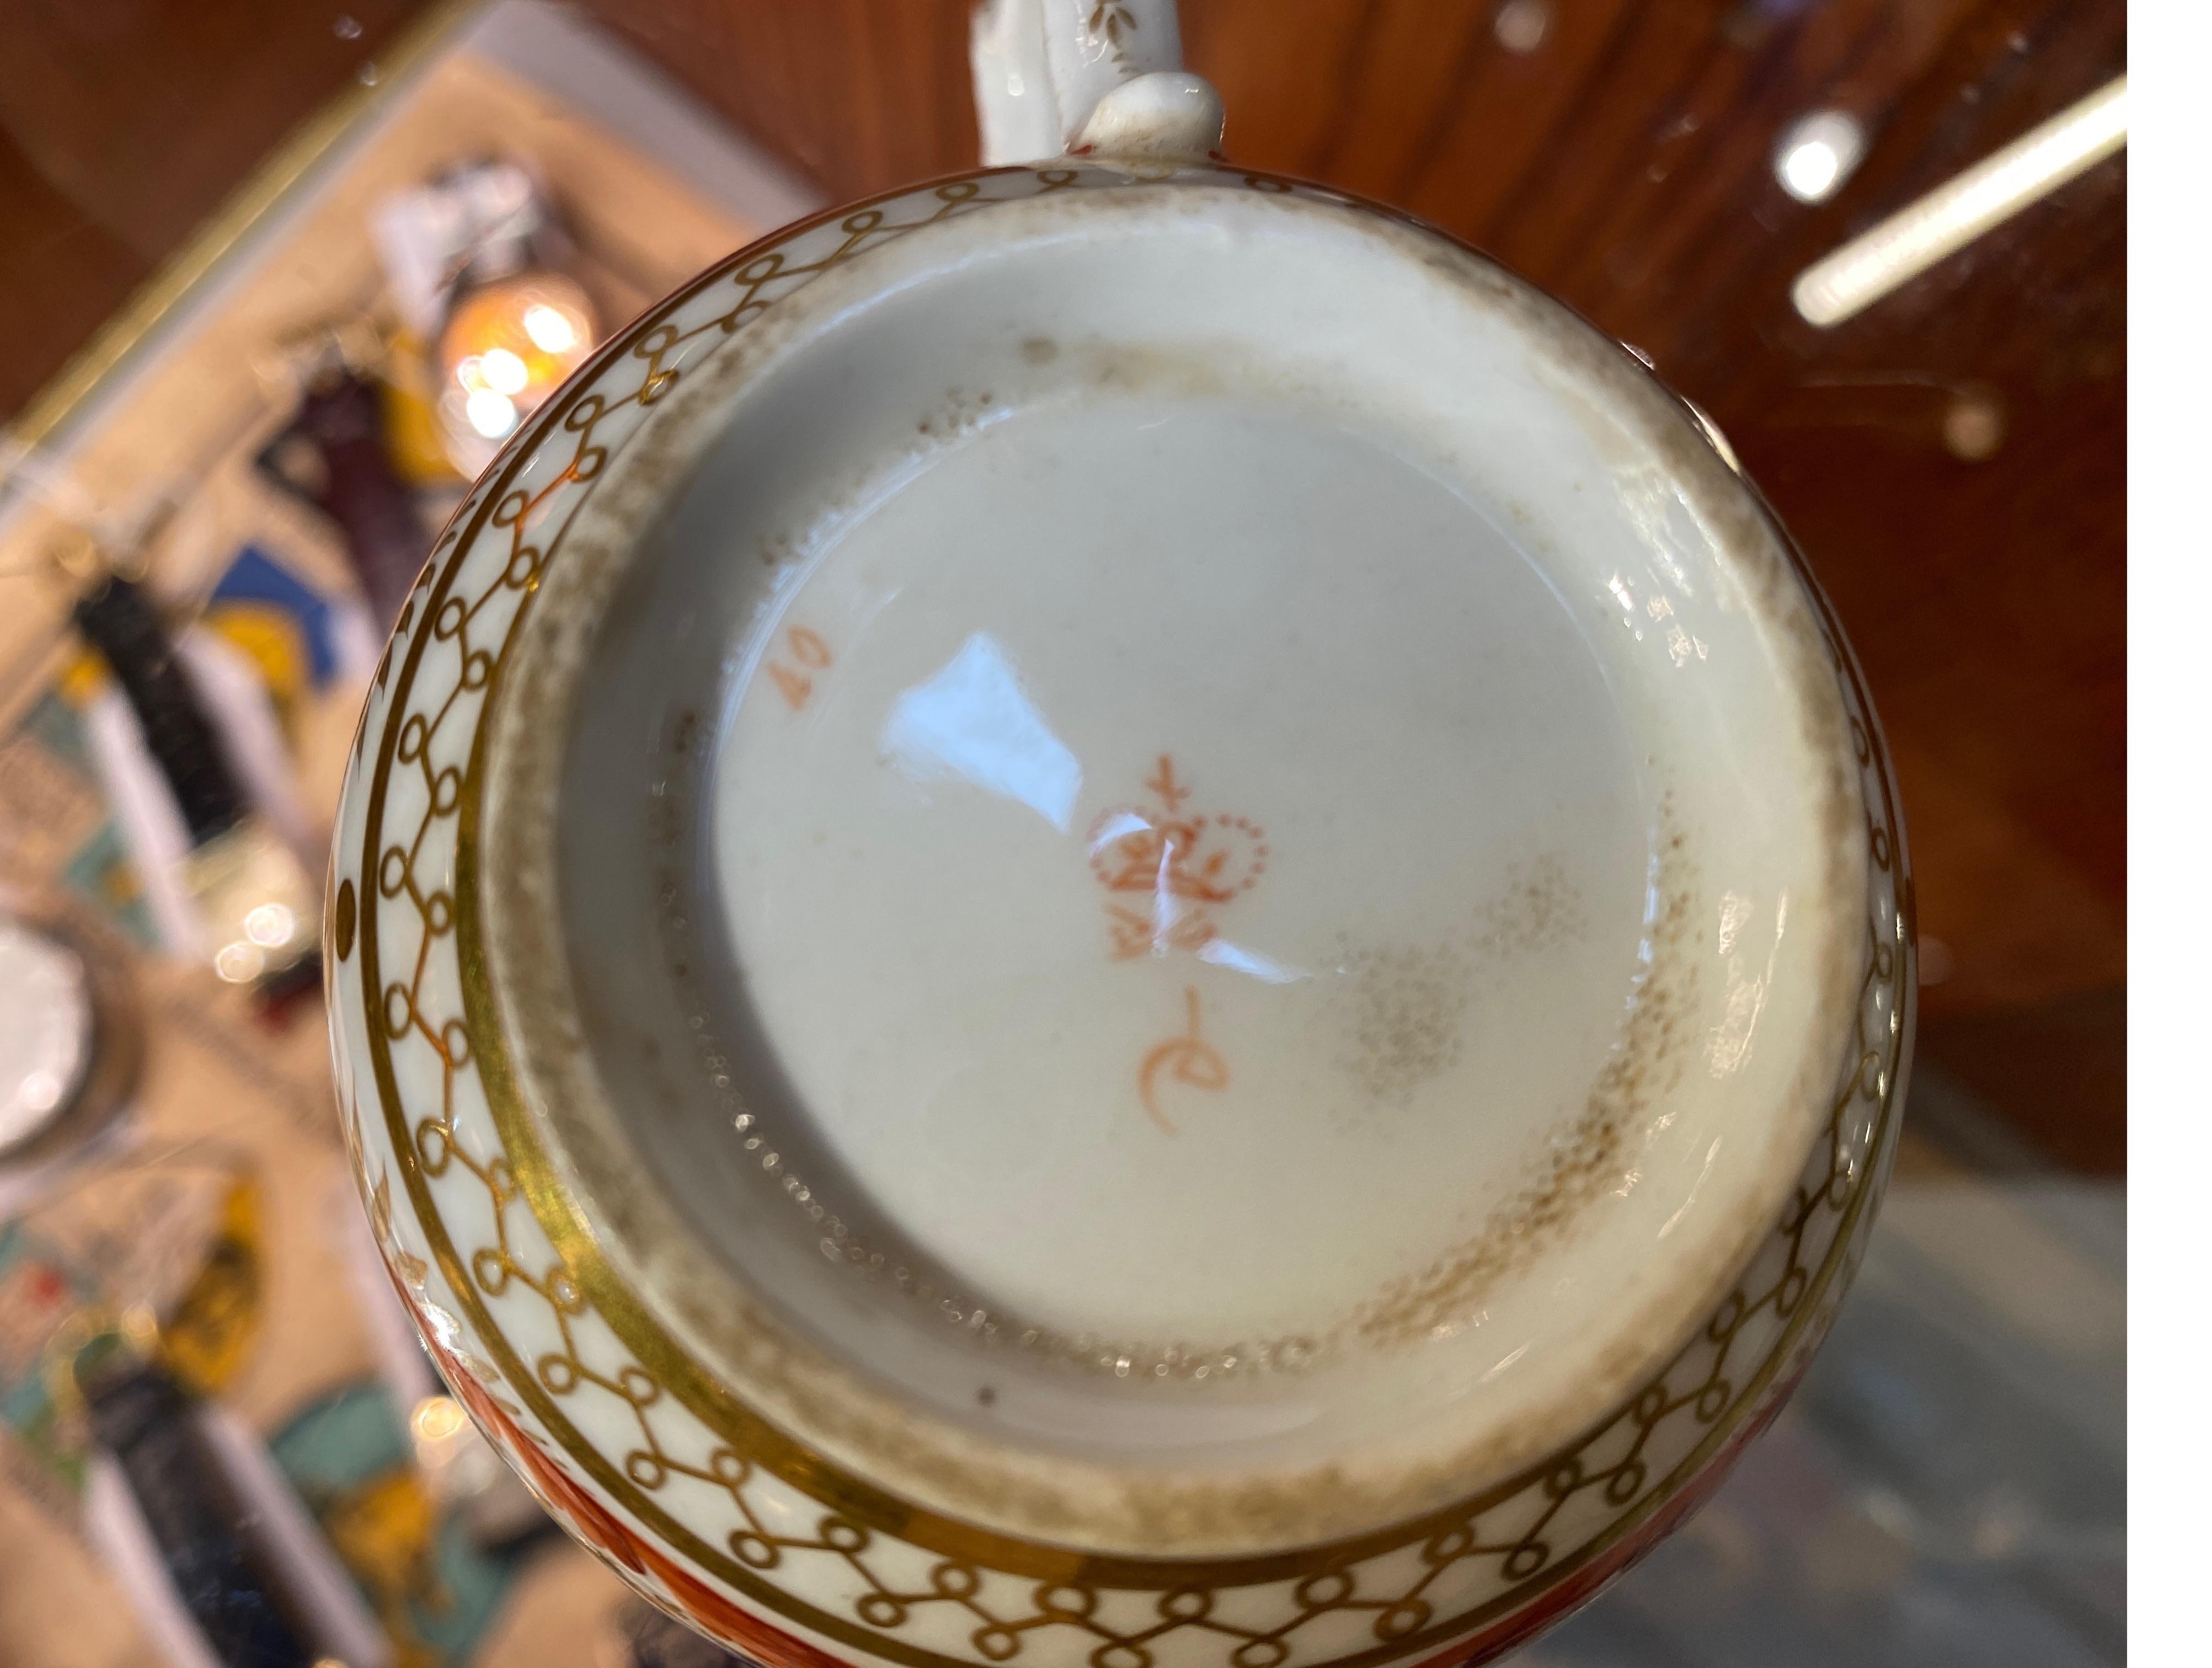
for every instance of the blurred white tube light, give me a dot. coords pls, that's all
(1960, 209)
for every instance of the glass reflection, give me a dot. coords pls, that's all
(1223, 953)
(974, 721)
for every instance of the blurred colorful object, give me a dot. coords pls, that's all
(433, 1591)
(295, 638)
(336, 455)
(205, 1338)
(167, 1245)
(188, 751)
(475, 259)
(54, 825)
(411, 434)
(170, 822)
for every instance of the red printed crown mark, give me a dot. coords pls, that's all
(1168, 870)
(1185, 862)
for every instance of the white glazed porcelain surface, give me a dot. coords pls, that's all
(1042, 66)
(1185, 867)
(1576, 688)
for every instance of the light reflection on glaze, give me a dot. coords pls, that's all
(973, 720)
(1746, 1000)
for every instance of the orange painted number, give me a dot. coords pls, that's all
(807, 648)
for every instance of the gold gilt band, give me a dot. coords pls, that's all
(541, 1313)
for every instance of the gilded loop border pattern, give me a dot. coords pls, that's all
(1421, 1586)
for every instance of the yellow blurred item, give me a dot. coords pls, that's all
(269, 637)
(411, 434)
(204, 1341)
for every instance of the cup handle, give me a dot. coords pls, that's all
(1088, 77)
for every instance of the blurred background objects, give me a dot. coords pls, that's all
(276, 278)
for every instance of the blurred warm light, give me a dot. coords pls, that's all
(1818, 153)
(491, 414)
(504, 372)
(1809, 171)
(240, 963)
(437, 1419)
(505, 347)
(270, 925)
(549, 328)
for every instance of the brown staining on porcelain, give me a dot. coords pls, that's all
(960, 415)
(1039, 351)
(1408, 1018)
(1582, 1162)
(1540, 908)
(1409, 1003)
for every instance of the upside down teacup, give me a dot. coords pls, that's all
(1114, 912)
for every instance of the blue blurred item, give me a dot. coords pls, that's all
(259, 589)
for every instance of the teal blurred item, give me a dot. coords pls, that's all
(349, 1458)
(40, 1291)
(49, 791)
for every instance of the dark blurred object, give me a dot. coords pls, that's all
(198, 1525)
(195, 1520)
(1953, 459)
(2057, 1070)
(333, 454)
(655, 1640)
(257, 906)
(119, 619)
